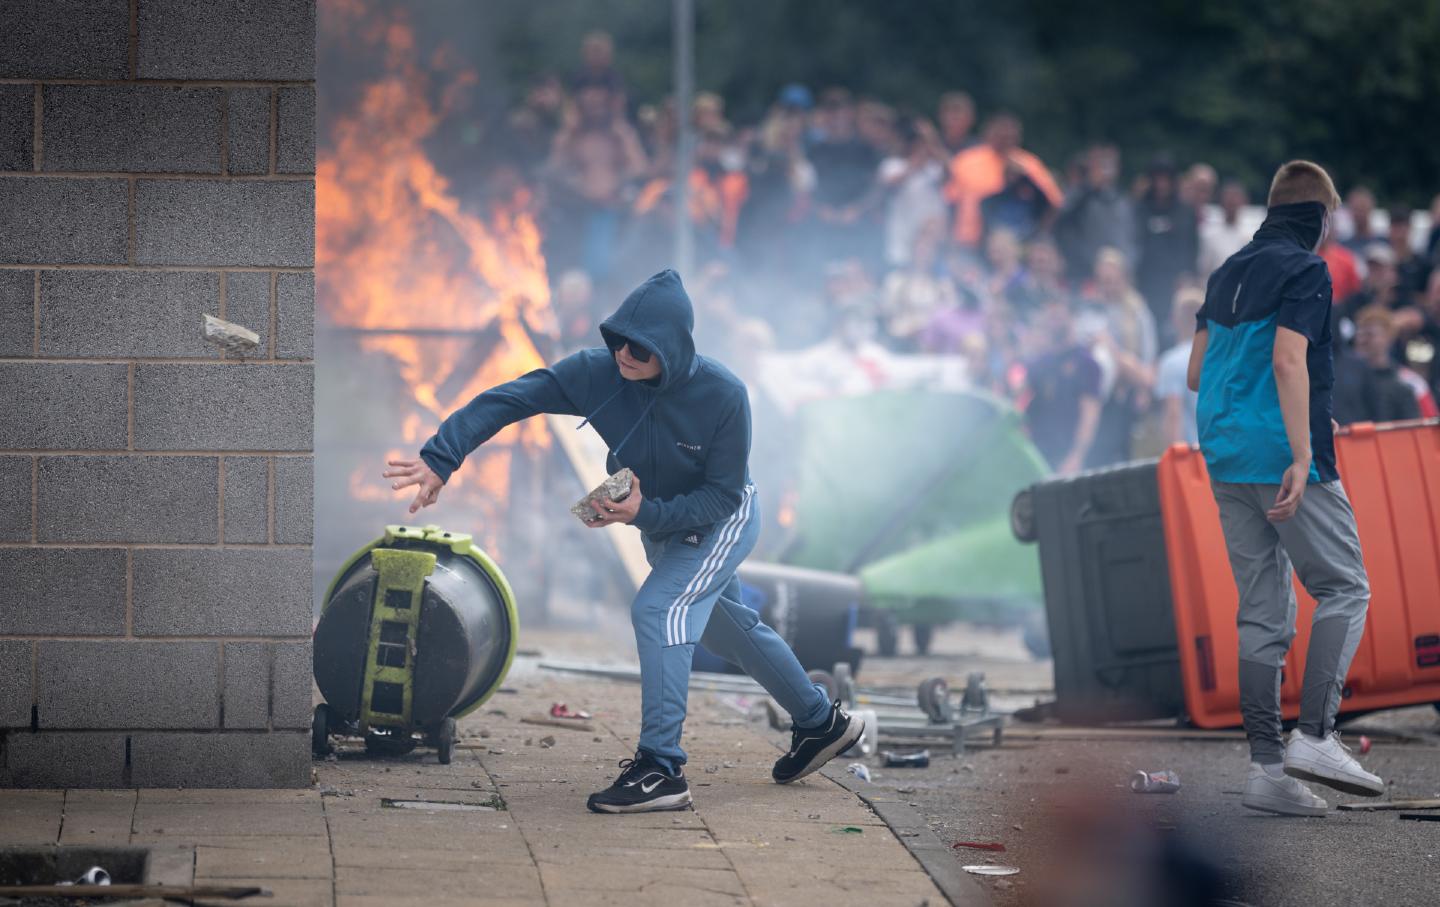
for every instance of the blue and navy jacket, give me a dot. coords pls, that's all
(686, 434)
(1275, 281)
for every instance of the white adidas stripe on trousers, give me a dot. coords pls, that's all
(725, 541)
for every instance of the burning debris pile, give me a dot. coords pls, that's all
(428, 293)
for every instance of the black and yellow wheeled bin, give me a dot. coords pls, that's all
(418, 629)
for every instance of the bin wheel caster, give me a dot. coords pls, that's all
(923, 634)
(320, 731)
(445, 740)
(887, 634)
(826, 680)
(844, 684)
(933, 697)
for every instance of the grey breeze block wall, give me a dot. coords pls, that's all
(157, 163)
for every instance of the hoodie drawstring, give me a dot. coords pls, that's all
(615, 452)
(604, 403)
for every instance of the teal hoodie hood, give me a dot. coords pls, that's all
(685, 434)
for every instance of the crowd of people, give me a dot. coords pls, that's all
(843, 225)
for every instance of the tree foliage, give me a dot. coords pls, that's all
(1242, 85)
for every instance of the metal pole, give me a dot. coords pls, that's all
(684, 46)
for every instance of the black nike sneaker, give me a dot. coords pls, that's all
(643, 786)
(811, 748)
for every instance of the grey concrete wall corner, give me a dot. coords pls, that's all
(157, 165)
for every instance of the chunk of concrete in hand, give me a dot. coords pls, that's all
(615, 488)
(233, 337)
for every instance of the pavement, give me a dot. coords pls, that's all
(1062, 810)
(505, 824)
(1070, 823)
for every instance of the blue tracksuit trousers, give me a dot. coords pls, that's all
(692, 595)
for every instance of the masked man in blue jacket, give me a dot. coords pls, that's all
(681, 422)
(1261, 362)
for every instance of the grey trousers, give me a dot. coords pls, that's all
(1321, 543)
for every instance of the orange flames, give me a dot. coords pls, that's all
(451, 295)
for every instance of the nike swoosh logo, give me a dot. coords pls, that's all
(647, 788)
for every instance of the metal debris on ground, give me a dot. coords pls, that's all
(436, 805)
(233, 337)
(1391, 804)
(991, 869)
(573, 724)
(1163, 782)
(907, 760)
(979, 845)
(547, 742)
(859, 770)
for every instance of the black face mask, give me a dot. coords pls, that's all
(640, 353)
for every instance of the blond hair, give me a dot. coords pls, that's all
(1303, 181)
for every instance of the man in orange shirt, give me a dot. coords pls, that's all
(979, 172)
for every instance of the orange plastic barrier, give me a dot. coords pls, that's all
(1392, 476)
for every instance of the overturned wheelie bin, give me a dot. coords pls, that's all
(417, 630)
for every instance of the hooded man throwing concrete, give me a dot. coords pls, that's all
(681, 422)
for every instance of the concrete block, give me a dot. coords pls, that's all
(62, 591)
(259, 40)
(15, 690)
(58, 406)
(130, 499)
(292, 700)
(295, 312)
(128, 684)
(59, 39)
(295, 130)
(238, 406)
(248, 130)
(15, 496)
(247, 500)
(17, 127)
(204, 222)
(114, 314)
(57, 759)
(132, 128)
(247, 685)
(294, 500)
(17, 313)
(63, 221)
(221, 591)
(247, 302)
(239, 759)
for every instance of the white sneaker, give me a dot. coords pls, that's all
(1283, 795)
(1327, 761)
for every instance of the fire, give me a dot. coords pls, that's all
(451, 295)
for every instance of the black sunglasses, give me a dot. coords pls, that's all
(640, 353)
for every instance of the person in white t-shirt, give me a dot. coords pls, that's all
(1177, 400)
(1221, 238)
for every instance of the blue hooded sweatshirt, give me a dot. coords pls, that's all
(1275, 281)
(686, 434)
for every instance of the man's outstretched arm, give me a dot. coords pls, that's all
(541, 391)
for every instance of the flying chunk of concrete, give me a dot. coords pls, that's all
(233, 337)
(614, 488)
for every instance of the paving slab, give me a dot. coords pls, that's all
(284, 892)
(487, 853)
(299, 818)
(480, 883)
(98, 817)
(31, 816)
(262, 863)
